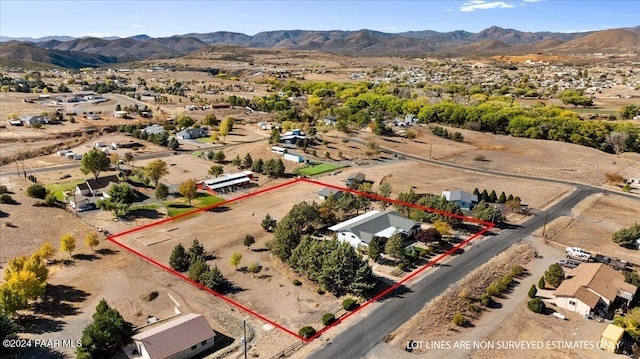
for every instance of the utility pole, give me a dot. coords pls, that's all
(244, 338)
(544, 228)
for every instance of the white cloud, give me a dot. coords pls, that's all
(481, 5)
(533, 0)
(449, 10)
(136, 25)
(389, 28)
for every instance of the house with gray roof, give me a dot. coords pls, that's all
(180, 338)
(192, 133)
(359, 231)
(325, 192)
(465, 200)
(153, 129)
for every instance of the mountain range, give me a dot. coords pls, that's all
(71, 52)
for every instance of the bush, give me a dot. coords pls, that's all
(254, 267)
(5, 199)
(541, 283)
(328, 318)
(320, 291)
(297, 283)
(37, 191)
(532, 291)
(536, 305)
(492, 289)
(517, 271)
(459, 320)
(349, 304)
(486, 299)
(50, 200)
(3, 189)
(307, 332)
(481, 158)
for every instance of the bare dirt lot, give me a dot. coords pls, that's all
(221, 232)
(592, 223)
(521, 155)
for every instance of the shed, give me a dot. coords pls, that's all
(611, 338)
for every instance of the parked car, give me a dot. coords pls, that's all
(87, 207)
(569, 263)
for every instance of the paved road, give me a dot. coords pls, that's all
(359, 339)
(356, 341)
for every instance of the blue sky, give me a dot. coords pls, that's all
(165, 18)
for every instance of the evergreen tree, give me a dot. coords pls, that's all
(8, 329)
(266, 222)
(258, 166)
(476, 192)
(179, 260)
(363, 281)
(197, 268)
(395, 247)
(285, 238)
(213, 279)
(510, 197)
(247, 162)
(374, 249)
(493, 197)
(106, 335)
(484, 196)
(196, 251)
(237, 161)
(162, 191)
(554, 275)
(249, 240)
(502, 198)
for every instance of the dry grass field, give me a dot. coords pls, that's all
(221, 232)
(541, 158)
(591, 224)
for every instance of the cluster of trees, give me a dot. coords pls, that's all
(493, 197)
(105, 335)
(352, 104)
(630, 111)
(487, 212)
(626, 237)
(108, 86)
(337, 267)
(160, 139)
(442, 132)
(193, 262)
(432, 201)
(24, 280)
(272, 167)
(575, 98)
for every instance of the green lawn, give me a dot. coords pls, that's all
(149, 207)
(179, 206)
(312, 170)
(205, 139)
(58, 189)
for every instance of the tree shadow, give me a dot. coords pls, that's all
(4, 214)
(52, 303)
(259, 250)
(106, 251)
(219, 209)
(42, 353)
(85, 257)
(32, 324)
(146, 213)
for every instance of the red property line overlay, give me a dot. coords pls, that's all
(487, 226)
